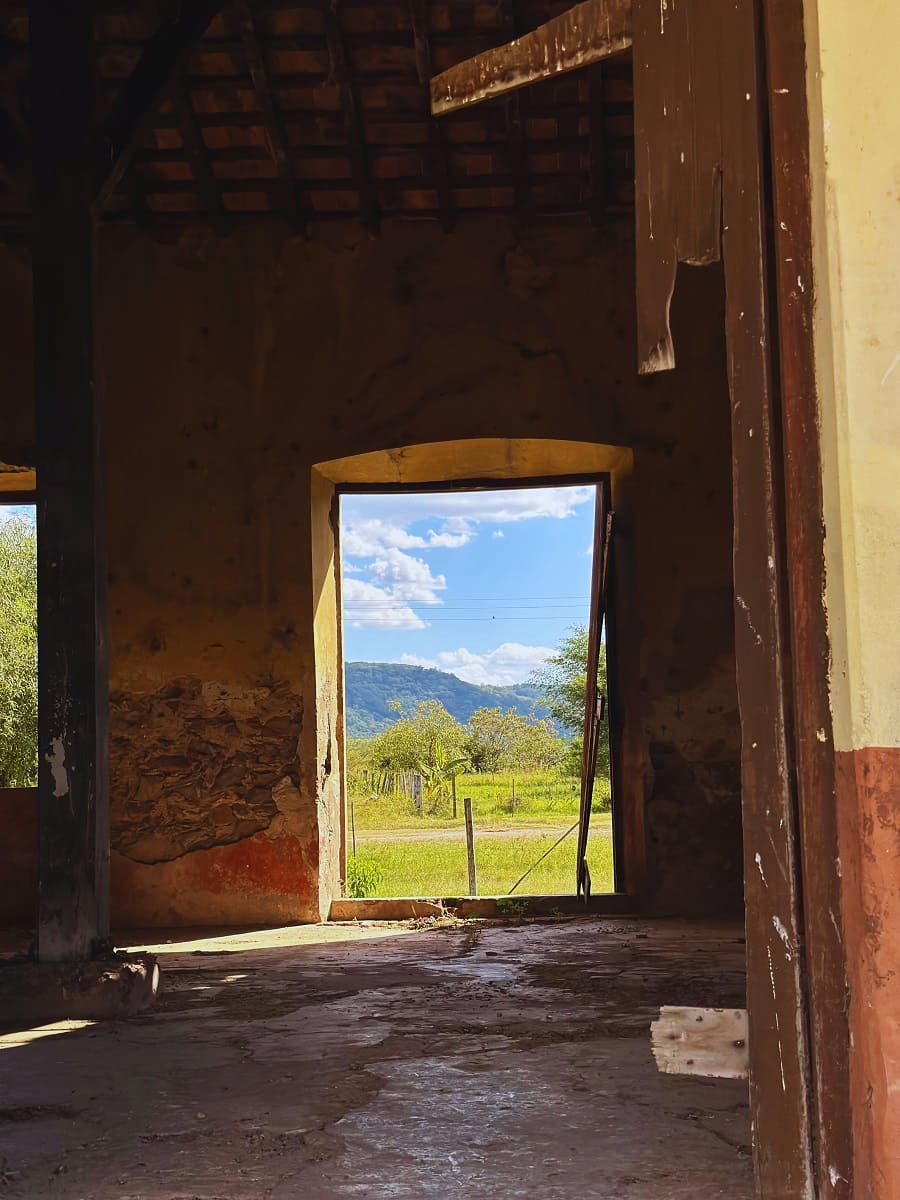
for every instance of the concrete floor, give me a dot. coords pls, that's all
(377, 1061)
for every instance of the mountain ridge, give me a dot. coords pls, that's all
(370, 687)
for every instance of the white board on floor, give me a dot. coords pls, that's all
(701, 1041)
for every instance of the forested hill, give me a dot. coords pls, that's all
(370, 687)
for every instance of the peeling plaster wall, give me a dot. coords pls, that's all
(855, 134)
(229, 369)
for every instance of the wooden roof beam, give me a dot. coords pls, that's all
(195, 148)
(515, 128)
(440, 156)
(135, 105)
(269, 112)
(353, 127)
(585, 34)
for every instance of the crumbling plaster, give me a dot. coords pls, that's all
(228, 369)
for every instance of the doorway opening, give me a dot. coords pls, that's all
(474, 627)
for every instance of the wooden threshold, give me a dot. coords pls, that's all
(405, 908)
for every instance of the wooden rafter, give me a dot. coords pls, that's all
(585, 34)
(135, 105)
(195, 149)
(353, 127)
(268, 108)
(440, 158)
(516, 128)
(599, 167)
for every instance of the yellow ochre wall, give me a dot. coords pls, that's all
(855, 158)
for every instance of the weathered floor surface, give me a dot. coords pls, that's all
(374, 1061)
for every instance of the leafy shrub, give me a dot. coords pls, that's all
(18, 653)
(363, 877)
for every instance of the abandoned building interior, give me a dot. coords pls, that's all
(253, 253)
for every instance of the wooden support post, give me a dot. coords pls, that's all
(470, 846)
(72, 667)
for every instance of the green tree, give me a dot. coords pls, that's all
(18, 654)
(502, 741)
(420, 739)
(562, 681)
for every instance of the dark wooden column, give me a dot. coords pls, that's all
(72, 671)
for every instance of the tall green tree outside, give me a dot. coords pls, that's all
(562, 681)
(18, 653)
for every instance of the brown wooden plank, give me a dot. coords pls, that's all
(73, 793)
(776, 1002)
(162, 60)
(585, 34)
(813, 738)
(678, 160)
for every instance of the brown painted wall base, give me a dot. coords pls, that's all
(263, 879)
(868, 795)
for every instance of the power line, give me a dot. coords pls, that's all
(479, 599)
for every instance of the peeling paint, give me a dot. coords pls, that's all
(778, 925)
(57, 761)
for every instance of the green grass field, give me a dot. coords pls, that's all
(425, 855)
(541, 798)
(437, 866)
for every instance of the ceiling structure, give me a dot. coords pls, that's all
(319, 109)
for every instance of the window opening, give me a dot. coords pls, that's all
(466, 627)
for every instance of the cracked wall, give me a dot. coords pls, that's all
(229, 368)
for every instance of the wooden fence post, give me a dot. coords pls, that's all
(470, 846)
(453, 791)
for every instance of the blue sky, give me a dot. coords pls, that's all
(9, 511)
(482, 584)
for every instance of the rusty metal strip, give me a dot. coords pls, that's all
(585, 34)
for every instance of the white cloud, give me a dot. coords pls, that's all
(363, 539)
(511, 662)
(398, 581)
(377, 533)
(406, 578)
(370, 607)
(500, 507)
